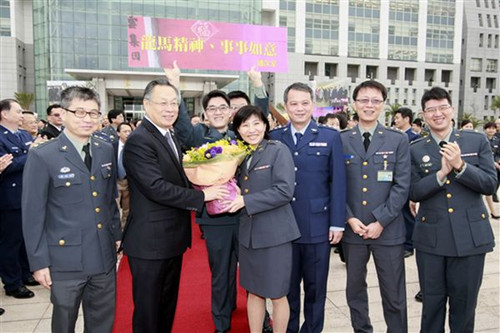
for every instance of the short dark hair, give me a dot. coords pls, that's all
(370, 84)
(238, 94)
(322, 120)
(53, 106)
(214, 94)
(157, 82)
(6, 104)
(77, 92)
(465, 122)
(405, 113)
(28, 112)
(119, 127)
(418, 122)
(489, 125)
(436, 93)
(355, 117)
(300, 87)
(245, 113)
(342, 117)
(113, 114)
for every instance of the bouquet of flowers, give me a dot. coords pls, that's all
(215, 164)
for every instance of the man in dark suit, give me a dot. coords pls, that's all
(378, 180)
(115, 117)
(71, 222)
(159, 228)
(55, 122)
(318, 204)
(451, 170)
(403, 119)
(14, 267)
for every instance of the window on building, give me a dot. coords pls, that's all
(330, 70)
(481, 40)
(410, 74)
(491, 83)
(495, 21)
(393, 74)
(493, 4)
(475, 83)
(478, 3)
(446, 76)
(490, 39)
(353, 72)
(486, 102)
(488, 20)
(5, 18)
(429, 75)
(310, 68)
(480, 19)
(496, 41)
(486, 4)
(476, 64)
(491, 65)
(371, 72)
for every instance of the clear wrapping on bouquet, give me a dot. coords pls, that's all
(215, 164)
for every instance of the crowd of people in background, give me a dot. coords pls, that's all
(72, 184)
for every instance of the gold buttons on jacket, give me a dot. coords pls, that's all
(62, 242)
(97, 210)
(447, 182)
(68, 184)
(95, 194)
(365, 176)
(483, 216)
(92, 177)
(365, 163)
(365, 189)
(450, 210)
(99, 225)
(246, 190)
(423, 219)
(364, 203)
(245, 178)
(448, 195)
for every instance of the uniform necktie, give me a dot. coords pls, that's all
(171, 143)
(298, 136)
(87, 159)
(366, 141)
(121, 168)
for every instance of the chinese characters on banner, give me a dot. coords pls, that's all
(156, 42)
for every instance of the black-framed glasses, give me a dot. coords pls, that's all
(365, 101)
(81, 113)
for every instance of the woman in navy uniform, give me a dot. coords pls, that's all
(267, 223)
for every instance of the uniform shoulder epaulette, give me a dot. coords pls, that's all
(278, 128)
(395, 130)
(273, 142)
(474, 132)
(40, 145)
(328, 128)
(101, 136)
(418, 140)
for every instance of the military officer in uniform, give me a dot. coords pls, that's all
(378, 179)
(115, 117)
(14, 268)
(451, 170)
(71, 221)
(318, 204)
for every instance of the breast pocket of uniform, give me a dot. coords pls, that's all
(106, 171)
(471, 159)
(318, 158)
(385, 162)
(67, 189)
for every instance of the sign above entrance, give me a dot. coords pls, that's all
(157, 42)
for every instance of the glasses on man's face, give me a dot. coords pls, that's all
(81, 113)
(221, 108)
(434, 109)
(164, 105)
(365, 101)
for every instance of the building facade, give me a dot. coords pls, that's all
(479, 77)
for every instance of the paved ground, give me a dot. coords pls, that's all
(33, 315)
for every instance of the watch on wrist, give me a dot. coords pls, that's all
(461, 168)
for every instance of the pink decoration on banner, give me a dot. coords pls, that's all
(136, 30)
(211, 45)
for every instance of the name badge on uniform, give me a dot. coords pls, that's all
(318, 144)
(384, 176)
(66, 176)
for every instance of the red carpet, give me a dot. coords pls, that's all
(193, 308)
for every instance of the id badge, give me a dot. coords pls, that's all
(384, 176)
